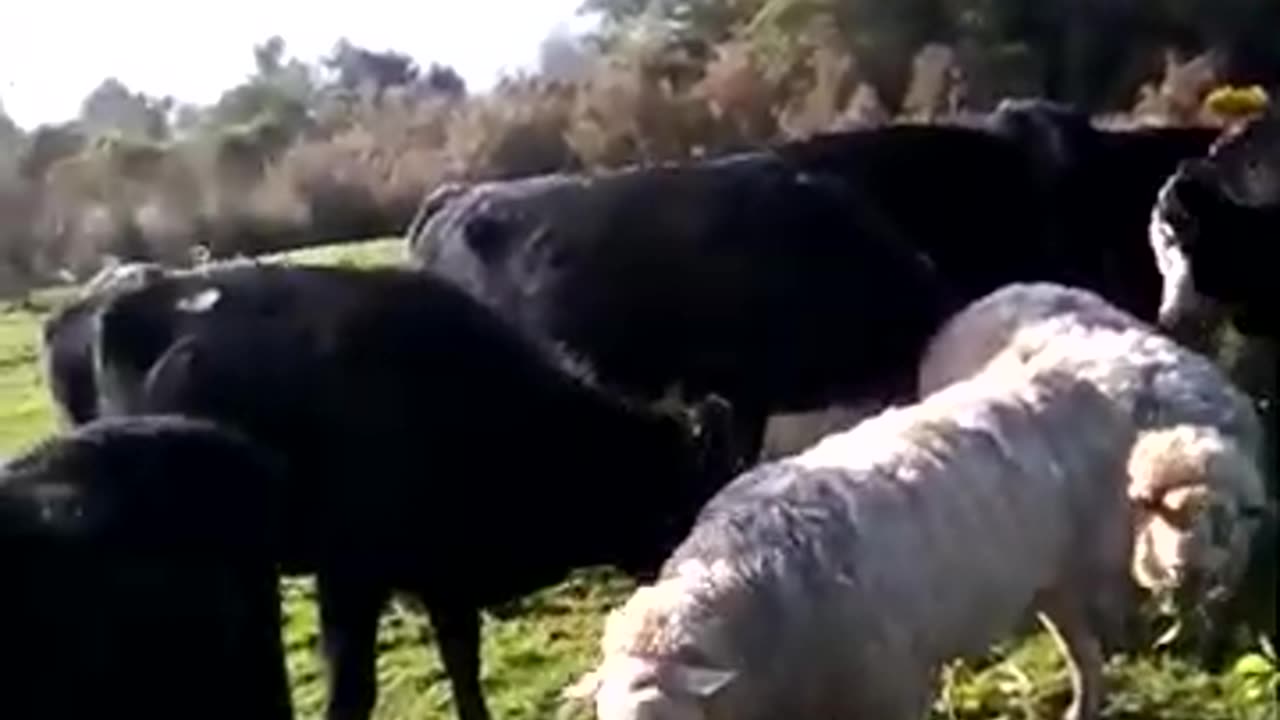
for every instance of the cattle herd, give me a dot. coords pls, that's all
(846, 408)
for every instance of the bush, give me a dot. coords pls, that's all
(266, 169)
(517, 131)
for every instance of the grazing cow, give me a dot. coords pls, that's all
(138, 583)
(1210, 227)
(1055, 198)
(739, 274)
(433, 450)
(786, 279)
(837, 582)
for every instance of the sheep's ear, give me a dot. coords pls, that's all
(201, 301)
(584, 688)
(698, 682)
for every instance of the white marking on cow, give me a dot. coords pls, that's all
(1178, 294)
(202, 301)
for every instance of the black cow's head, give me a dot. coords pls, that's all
(1052, 133)
(484, 219)
(715, 456)
(1214, 228)
(67, 340)
(435, 201)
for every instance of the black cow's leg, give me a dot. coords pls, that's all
(457, 629)
(349, 611)
(266, 664)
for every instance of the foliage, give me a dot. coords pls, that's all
(111, 108)
(303, 152)
(1096, 54)
(1233, 101)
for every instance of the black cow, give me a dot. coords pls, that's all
(788, 279)
(1215, 224)
(135, 554)
(1032, 192)
(739, 276)
(1216, 221)
(432, 449)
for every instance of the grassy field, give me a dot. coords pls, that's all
(542, 642)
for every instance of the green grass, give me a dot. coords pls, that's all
(541, 643)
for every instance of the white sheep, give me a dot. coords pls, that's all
(836, 583)
(1154, 379)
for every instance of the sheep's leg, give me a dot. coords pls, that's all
(457, 629)
(349, 611)
(1068, 623)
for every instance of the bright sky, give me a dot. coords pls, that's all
(53, 52)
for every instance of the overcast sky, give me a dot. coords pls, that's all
(53, 52)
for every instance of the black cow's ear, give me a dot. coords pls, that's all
(200, 301)
(433, 203)
(441, 195)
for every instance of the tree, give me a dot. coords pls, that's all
(280, 93)
(185, 118)
(10, 133)
(113, 108)
(10, 145)
(358, 69)
(1094, 53)
(47, 145)
(615, 11)
(444, 80)
(268, 57)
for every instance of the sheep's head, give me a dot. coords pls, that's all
(646, 673)
(1197, 499)
(635, 688)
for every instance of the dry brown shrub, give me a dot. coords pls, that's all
(518, 130)
(739, 90)
(1178, 97)
(363, 162)
(936, 83)
(18, 205)
(336, 180)
(864, 109)
(627, 114)
(820, 104)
